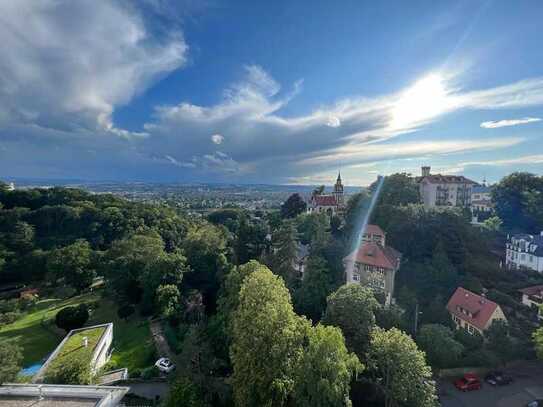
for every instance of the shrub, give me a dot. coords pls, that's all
(72, 370)
(72, 317)
(9, 306)
(134, 373)
(184, 394)
(125, 311)
(149, 373)
(9, 317)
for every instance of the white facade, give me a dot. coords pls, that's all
(444, 190)
(524, 252)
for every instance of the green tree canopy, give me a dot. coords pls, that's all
(74, 264)
(442, 350)
(11, 356)
(352, 309)
(293, 206)
(267, 342)
(400, 369)
(325, 370)
(168, 299)
(315, 287)
(69, 318)
(518, 200)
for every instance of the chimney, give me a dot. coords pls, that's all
(425, 171)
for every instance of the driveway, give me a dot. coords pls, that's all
(161, 343)
(528, 385)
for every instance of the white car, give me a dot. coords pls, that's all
(165, 365)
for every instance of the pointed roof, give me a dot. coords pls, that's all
(338, 181)
(375, 255)
(480, 308)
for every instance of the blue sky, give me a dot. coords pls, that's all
(269, 92)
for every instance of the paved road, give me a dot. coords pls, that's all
(528, 385)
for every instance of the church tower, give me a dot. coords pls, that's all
(338, 191)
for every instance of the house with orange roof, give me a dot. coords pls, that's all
(373, 264)
(473, 312)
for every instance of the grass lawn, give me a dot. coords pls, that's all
(39, 341)
(132, 340)
(134, 347)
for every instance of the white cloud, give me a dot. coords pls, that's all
(333, 121)
(509, 122)
(217, 138)
(68, 64)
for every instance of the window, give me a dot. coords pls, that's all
(356, 277)
(471, 330)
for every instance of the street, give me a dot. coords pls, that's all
(527, 386)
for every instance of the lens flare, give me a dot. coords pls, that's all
(361, 222)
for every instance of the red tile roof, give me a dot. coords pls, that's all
(481, 308)
(533, 290)
(324, 200)
(375, 255)
(373, 230)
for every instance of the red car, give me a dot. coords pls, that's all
(469, 382)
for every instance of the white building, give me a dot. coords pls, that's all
(444, 190)
(533, 297)
(481, 199)
(524, 251)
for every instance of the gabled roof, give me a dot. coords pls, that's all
(375, 255)
(324, 200)
(446, 179)
(480, 308)
(373, 230)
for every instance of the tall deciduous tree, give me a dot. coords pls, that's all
(439, 344)
(352, 309)
(325, 370)
(400, 369)
(499, 341)
(267, 342)
(284, 250)
(518, 200)
(293, 206)
(316, 285)
(74, 264)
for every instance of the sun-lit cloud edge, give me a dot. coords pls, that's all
(494, 124)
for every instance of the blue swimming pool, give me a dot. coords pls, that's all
(31, 370)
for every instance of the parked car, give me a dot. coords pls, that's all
(165, 365)
(469, 382)
(498, 379)
(535, 403)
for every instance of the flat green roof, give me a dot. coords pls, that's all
(74, 345)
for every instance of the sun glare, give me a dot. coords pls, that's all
(427, 98)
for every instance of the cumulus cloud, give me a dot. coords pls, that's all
(510, 122)
(59, 96)
(67, 64)
(217, 138)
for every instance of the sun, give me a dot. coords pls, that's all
(427, 98)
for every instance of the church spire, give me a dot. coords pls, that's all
(338, 181)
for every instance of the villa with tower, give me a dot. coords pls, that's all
(331, 204)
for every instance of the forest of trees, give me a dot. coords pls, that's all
(234, 301)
